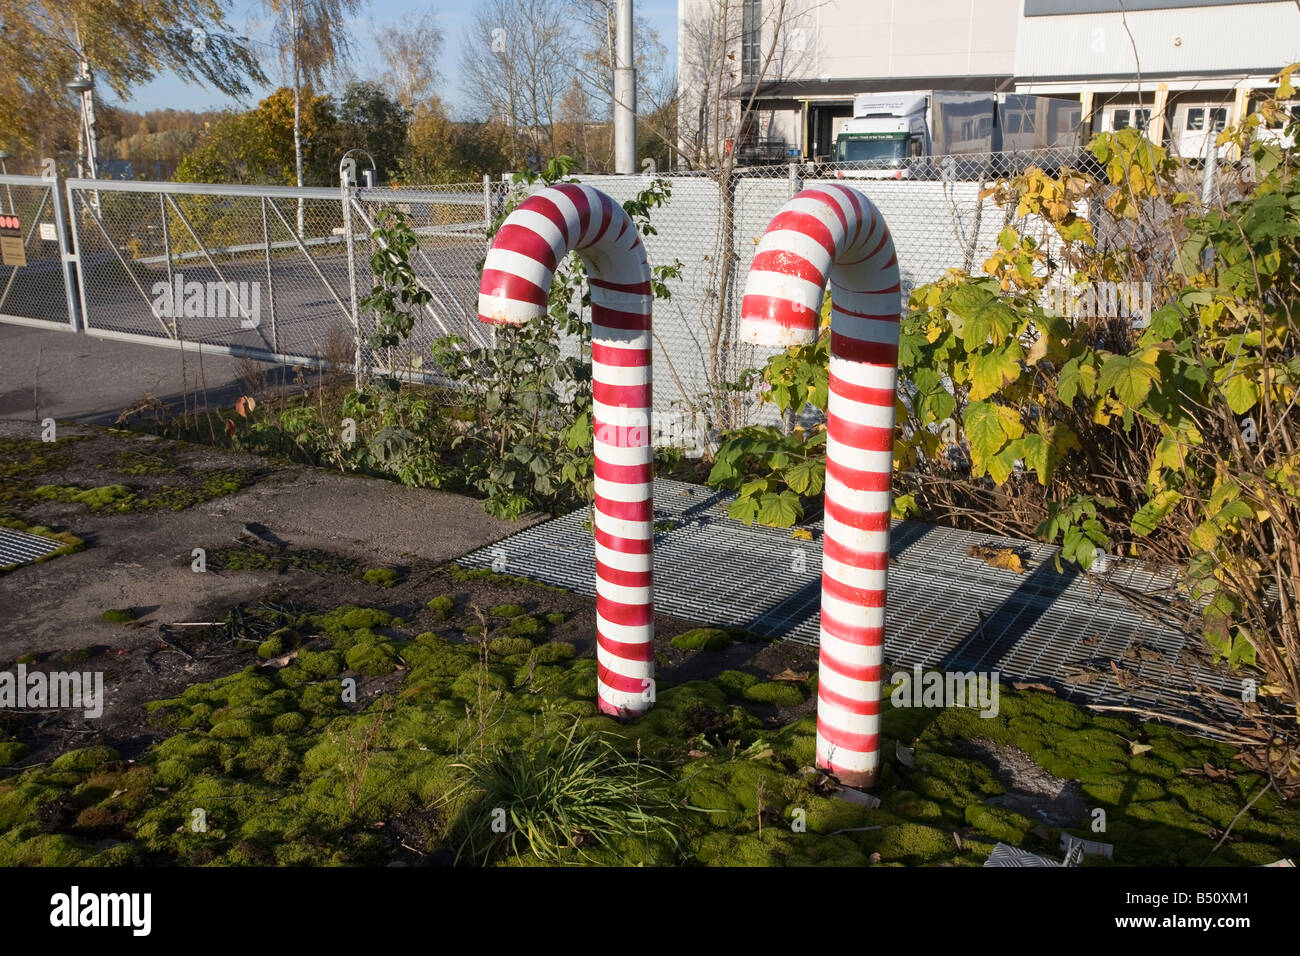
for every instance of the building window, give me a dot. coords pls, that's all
(1219, 118)
(1196, 118)
(751, 39)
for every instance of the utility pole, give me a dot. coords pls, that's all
(624, 92)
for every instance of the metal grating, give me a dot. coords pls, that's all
(946, 610)
(19, 547)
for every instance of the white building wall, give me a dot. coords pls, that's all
(1242, 38)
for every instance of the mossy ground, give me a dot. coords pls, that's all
(288, 767)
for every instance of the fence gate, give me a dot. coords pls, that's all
(241, 270)
(40, 293)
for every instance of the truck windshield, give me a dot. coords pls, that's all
(852, 149)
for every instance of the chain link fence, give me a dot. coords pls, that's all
(39, 291)
(277, 273)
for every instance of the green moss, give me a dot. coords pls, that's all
(119, 615)
(553, 652)
(381, 577)
(909, 843)
(508, 610)
(271, 647)
(735, 683)
(998, 823)
(85, 758)
(508, 646)
(373, 659)
(526, 627)
(442, 606)
(702, 639)
(555, 619)
(102, 498)
(141, 463)
(289, 723)
(778, 693)
(211, 484)
(11, 751)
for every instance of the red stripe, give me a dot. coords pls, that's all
(627, 579)
(867, 560)
(862, 708)
(866, 437)
(804, 222)
(862, 520)
(830, 201)
(626, 510)
(614, 319)
(625, 474)
(629, 685)
(622, 436)
(853, 634)
(626, 396)
(507, 285)
(629, 615)
(864, 672)
(859, 597)
(636, 288)
(619, 357)
(767, 308)
(856, 479)
(543, 205)
(641, 651)
(576, 196)
(857, 350)
(880, 397)
(789, 264)
(527, 242)
(625, 545)
(843, 740)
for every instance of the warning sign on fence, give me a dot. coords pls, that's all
(12, 252)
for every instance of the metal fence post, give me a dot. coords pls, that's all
(487, 202)
(346, 198)
(796, 180)
(270, 282)
(66, 258)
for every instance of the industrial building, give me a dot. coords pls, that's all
(1179, 69)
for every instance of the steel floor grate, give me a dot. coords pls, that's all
(946, 610)
(19, 547)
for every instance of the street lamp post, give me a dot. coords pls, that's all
(87, 146)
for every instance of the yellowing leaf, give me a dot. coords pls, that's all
(801, 534)
(993, 370)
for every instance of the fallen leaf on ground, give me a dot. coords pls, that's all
(905, 755)
(1005, 558)
(1032, 685)
(803, 534)
(1137, 749)
(792, 675)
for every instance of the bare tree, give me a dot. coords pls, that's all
(722, 70)
(517, 65)
(312, 38)
(411, 49)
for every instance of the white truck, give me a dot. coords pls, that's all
(924, 134)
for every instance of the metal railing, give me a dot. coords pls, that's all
(277, 273)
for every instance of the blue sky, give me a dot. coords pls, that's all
(168, 91)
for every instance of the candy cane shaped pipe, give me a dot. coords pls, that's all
(834, 232)
(517, 275)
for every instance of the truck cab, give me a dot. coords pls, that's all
(885, 132)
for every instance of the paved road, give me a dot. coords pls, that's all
(80, 378)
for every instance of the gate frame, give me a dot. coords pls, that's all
(66, 256)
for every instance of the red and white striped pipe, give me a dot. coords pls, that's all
(834, 232)
(517, 275)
